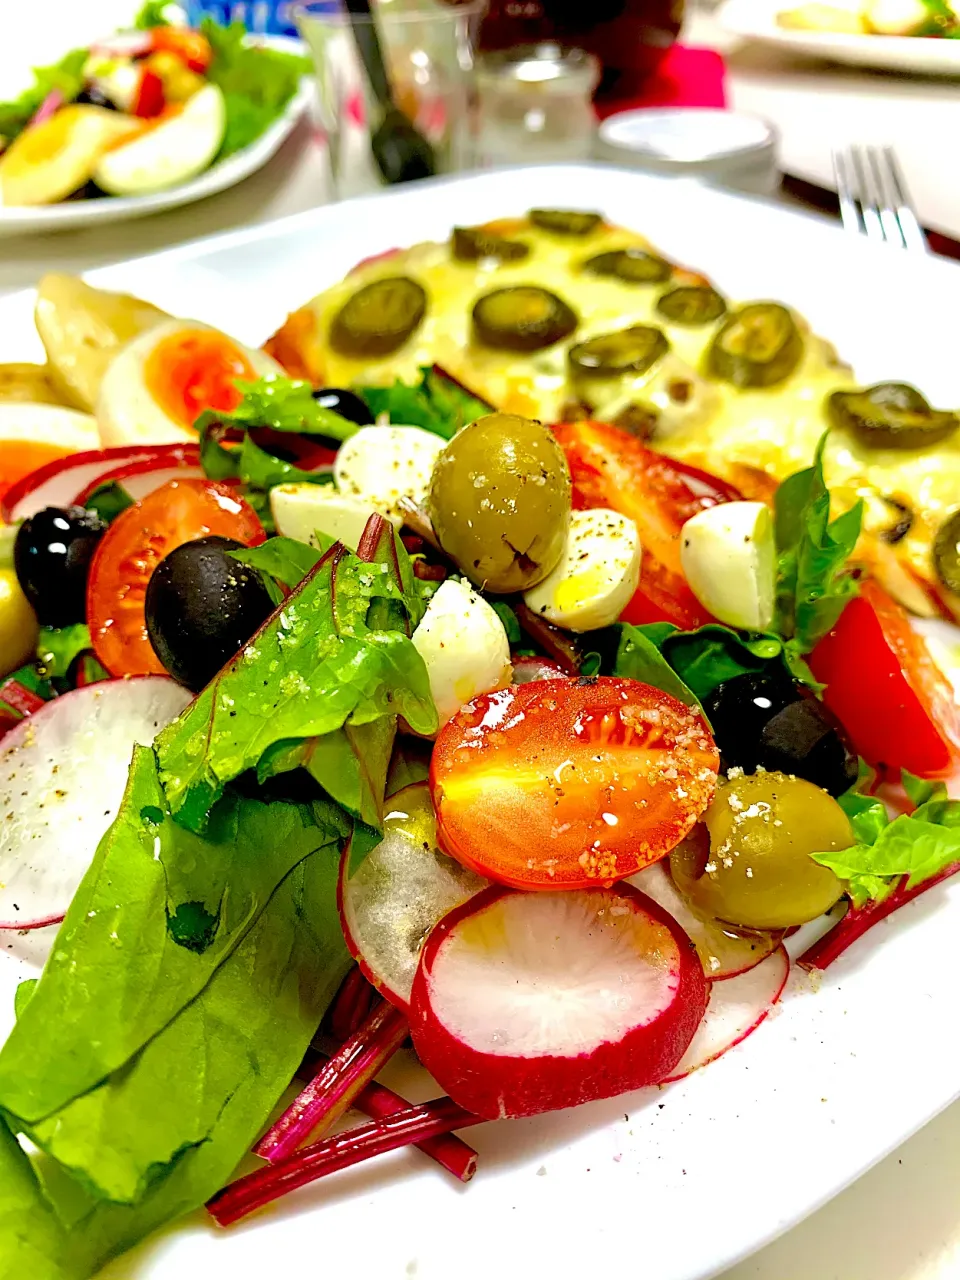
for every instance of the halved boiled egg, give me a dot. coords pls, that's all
(177, 148)
(49, 161)
(157, 386)
(31, 435)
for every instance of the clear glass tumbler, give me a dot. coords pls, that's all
(428, 49)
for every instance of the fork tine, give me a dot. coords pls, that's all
(846, 193)
(868, 195)
(886, 199)
(910, 229)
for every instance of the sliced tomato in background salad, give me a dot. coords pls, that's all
(611, 468)
(883, 684)
(132, 548)
(564, 784)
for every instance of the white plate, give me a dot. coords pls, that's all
(757, 20)
(675, 1184)
(22, 220)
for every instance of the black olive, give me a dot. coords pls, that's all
(775, 723)
(52, 556)
(346, 403)
(91, 96)
(201, 607)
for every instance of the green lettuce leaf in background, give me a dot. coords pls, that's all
(284, 404)
(437, 402)
(813, 583)
(65, 76)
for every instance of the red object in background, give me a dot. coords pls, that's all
(630, 37)
(149, 101)
(685, 78)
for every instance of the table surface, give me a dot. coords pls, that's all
(901, 1221)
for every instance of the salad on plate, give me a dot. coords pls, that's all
(339, 718)
(142, 111)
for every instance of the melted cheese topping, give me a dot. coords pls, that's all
(728, 432)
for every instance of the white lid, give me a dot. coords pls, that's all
(686, 138)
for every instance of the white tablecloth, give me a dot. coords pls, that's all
(902, 1220)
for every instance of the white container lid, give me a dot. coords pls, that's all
(688, 140)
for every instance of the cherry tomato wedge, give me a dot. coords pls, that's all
(132, 548)
(611, 468)
(563, 784)
(892, 698)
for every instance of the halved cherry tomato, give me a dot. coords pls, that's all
(894, 701)
(132, 548)
(562, 784)
(191, 47)
(611, 468)
(149, 99)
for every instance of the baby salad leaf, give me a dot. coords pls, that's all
(158, 911)
(917, 846)
(639, 658)
(218, 1069)
(812, 582)
(66, 76)
(109, 500)
(315, 667)
(59, 647)
(152, 15)
(283, 404)
(438, 402)
(257, 82)
(283, 560)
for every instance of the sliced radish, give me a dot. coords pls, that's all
(526, 670)
(724, 951)
(400, 891)
(141, 476)
(62, 776)
(59, 482)
(528, 1002)
(735, 1009)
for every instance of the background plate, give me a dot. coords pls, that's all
(757, 20)
(20, 220)
(670, 1184)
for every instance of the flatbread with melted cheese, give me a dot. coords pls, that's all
(754, 438)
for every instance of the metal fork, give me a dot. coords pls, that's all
(874, 200)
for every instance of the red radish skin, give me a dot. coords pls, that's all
(415, 1125)
(57, 483)
(500, 1020)
(337, 1083)
(63, 772)
(734, 1011)
(401, 889)
(724, 952)
(22, 700)
(142, 476)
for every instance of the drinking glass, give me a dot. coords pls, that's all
(428, 49)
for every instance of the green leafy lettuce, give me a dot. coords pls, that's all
(65, 76)
(813, 582)
(329, 662)
(283, 560)
(284, 404)
(152, 15)
(437, 402)
(257, 83)
(909, 849)
(157, 913)
(109, 500)
(59, 647)
(176, 1121)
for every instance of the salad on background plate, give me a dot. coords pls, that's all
(142, 112)
(337, 717)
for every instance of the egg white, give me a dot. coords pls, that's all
(48, 424)
(127, 411)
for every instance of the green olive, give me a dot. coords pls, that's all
(692, 305)
(565, 222)
(757, 346)
(610, 355)
(890, 415)
(471, 244)
(522, 318)
(500, 501)
(758, 872)
(379, 317)
(632, 266)
(946, 553)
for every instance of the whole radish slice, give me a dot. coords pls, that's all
(724, 951)
(141, 476)
(735, 1010)
(59, 483)
(400, 891)
(62, 776)
(528, 1002)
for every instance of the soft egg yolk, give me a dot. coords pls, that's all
(193, 370)
(18, 458)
